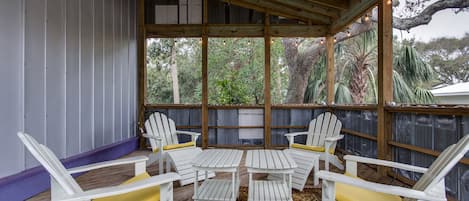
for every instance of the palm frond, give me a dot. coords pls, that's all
(401, 91)
(342, 94)
(374, 88)
(411, 66)
(423, 96)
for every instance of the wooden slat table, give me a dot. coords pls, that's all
(217, 160)
(271, 162)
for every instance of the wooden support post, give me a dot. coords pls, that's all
(385, 94)
(141, 69)
(267, 97)
(204, 77)
(330, 69)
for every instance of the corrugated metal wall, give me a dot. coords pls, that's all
(67, 76)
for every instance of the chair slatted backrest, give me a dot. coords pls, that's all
(159, 125)
(323, 126)
(51, 163)
(442, 165)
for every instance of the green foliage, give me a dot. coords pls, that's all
(279, 72)
(188, 59)
(342, 94)
(236, 70)
(412, 76)
(449, 58)
(315, 90)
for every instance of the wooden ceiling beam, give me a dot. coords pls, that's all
(264, 10)
(310, 7)
(234, 30)
(338, 4)
(280, 30)
(355, 11)
(277, 9)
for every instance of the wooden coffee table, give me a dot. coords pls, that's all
(271, 162)
(217, 160)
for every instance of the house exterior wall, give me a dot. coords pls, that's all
(463, 99)
(67, 76)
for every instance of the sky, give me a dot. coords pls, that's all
(444, 24)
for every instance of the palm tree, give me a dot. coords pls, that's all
(411, 76)
(356, 70)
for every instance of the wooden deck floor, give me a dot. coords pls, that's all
(118, 174)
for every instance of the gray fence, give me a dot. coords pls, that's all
(434, 132)
(362, 121)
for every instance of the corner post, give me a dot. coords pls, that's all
(385, 88)
(204, 76)
(141, 67)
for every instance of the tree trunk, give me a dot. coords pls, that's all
(174, 74)
(299, 68)
(358, 82)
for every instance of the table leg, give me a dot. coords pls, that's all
(233, 175)
(251, 187)
(237, 182)
(196, 183)
(289, 184)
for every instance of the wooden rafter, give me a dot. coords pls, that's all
(338, 4)
(310, 7)
(355, 11)
(279, 10)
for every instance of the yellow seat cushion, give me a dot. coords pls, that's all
(177, 146)
(344, 192)
(147, 194)
(310, 148)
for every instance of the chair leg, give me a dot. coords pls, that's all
(153, 157)
(168, 164)
(326, 163)
(336, 162)
(316, 170)
(328, 190)
(161, 168)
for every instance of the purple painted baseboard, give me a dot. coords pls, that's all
(32, 181)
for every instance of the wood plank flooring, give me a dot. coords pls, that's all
(118, 174)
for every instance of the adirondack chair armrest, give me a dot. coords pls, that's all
(382, 188)
(164, 180)
(193, 134)
(352, 160)
(139, 162)
(335, 138)
(291, 136)
(295, 134)
(152, 137)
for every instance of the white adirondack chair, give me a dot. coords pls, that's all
(65, 188)
(323, 134)
(431, 186)
(162, 134)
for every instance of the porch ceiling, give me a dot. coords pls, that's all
(336, 14)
